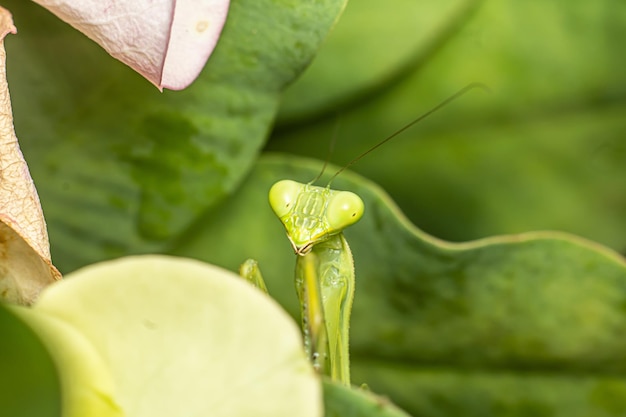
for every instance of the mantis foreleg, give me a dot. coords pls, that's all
(312, 312)
(325, 288)
(328, 267)
(251, 272)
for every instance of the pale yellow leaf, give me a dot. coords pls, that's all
(180, 338)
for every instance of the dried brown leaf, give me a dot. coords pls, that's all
(25, 265)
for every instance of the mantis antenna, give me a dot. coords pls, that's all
(402, 129)
(314, 219)
(331, 148)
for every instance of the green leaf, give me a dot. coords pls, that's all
(503, 325)
(180, 337)
(373, 46)
(122, 168)
(29, 383)
(544, 150)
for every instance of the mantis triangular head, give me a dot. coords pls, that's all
(312, 214)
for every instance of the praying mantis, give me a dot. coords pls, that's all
(314, 218)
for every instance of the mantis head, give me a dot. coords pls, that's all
(313, 214)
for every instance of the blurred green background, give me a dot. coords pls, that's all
(522, 325)
(545, 150)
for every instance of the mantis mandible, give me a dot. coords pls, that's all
(314, 218)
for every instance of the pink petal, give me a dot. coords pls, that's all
(195, 31)
(166, 41)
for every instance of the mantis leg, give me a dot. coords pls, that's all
(249, 270)
(312, 311)
(325, 285)
(336, 269)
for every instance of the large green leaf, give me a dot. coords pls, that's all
(374, 45)
(123, 168)
(545, 150)
(504, 325)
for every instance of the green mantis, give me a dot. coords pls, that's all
(314, 219)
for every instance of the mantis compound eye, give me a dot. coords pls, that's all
(283, 196)
(345, 208)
